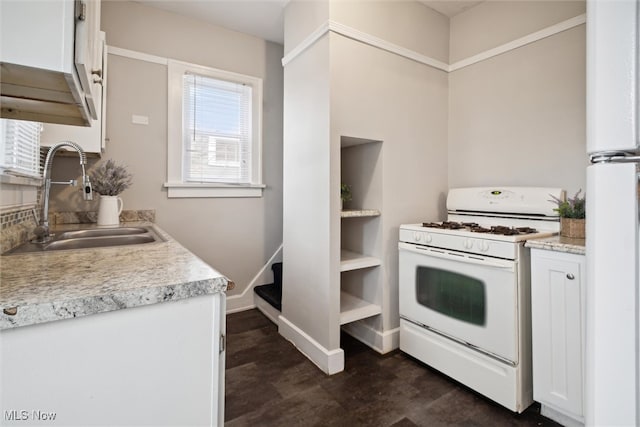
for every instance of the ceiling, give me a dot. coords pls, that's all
(450, 8)
(265, 18)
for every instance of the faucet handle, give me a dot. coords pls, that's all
(71, 182)
(42, 234)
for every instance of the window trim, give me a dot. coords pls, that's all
(176, 186)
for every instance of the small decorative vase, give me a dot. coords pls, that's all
(572, 227)
(109, 211)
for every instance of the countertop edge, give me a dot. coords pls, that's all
(558, 244)
(34, 314)
(188, 277)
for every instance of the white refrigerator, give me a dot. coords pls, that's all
(612, 391)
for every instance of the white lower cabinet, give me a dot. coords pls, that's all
(558, 331)
(159, 364)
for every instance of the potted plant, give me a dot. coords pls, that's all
(345, 193)
(572, 215)
(109, 180)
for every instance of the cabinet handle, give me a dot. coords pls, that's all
(570, 276)
(81, 10)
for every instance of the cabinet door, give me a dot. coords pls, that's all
(557, 330)
(87, 46)
(48, 52)
(91, 139)
(153, 365)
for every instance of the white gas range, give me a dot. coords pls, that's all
(464, 288)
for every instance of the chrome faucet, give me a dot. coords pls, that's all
(42, 231)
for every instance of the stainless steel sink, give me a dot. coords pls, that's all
(93, 238)
(98, 242)
(102, 232)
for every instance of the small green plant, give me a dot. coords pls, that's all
(109, 179)
(573, 207)
(345, 193)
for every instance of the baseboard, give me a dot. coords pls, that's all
(244, 301)
(329, 361)
(267, 309)
(559, 417)
(381, 341)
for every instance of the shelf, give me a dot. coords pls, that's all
(353, 308)
(350, 141)
(354, 261)
(359, 213)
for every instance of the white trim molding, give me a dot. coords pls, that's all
(245, 301)
(329, 361)
(190, 190)
(354, 34)
(306, 43)
(522, 41)
(374, 41)
(357, 35)
(132, 54)
(381, 341)
(267, 309)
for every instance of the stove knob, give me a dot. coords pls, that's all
(484, 246)
(428, 238)
(468, 244)
(417, 236)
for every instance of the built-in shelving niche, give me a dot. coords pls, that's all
(360, 236)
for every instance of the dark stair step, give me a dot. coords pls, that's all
(272, 293)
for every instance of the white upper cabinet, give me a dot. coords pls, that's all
(91, 139)
(49, 60)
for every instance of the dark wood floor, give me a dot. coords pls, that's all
(269, 383)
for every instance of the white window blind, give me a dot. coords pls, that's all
(214, 132)
(217, 130)
(20, 148)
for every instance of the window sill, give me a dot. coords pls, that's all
(183, 190)
(20, 180)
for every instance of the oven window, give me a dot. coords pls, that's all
(452, 294)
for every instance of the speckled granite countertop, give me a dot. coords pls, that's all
(47, 286)
(558, 244)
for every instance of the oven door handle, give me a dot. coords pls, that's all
(460, 257)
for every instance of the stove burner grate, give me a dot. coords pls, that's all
(474, 227)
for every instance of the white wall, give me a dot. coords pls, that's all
(408, 24)
(236, 236)
(493, 23)
(356, 90)
(519, 117)
(307, 300)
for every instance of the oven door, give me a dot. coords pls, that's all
(469, 298)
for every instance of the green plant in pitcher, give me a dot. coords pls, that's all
(573, 207)
(110, 179)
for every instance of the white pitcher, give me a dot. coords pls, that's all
(109, 211)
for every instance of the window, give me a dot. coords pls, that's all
(453, 294)
(214, 133)
(20, 148)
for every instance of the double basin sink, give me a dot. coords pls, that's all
(93, 238)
